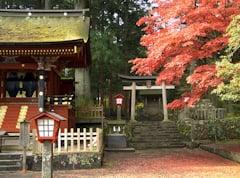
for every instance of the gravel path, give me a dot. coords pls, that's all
(153, 163)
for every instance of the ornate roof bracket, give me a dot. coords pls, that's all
(45, 63)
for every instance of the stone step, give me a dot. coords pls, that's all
(10, 162)
(10, 167)
(161, 145)
(156, 125)
(154, 131)
(150, 127)
(157, 134)
(157, 143)
(10, 156)
(146, 137)
(155, 139)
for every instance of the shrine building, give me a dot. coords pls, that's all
(35, 47)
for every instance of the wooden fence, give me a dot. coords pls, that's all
(83, 140)
(94, 112)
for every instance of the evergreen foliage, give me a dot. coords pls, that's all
(114, 40)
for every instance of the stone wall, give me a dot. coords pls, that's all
(68, 161)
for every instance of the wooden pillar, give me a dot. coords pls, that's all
(1, 84)
(41, 86)
(41, 90)
(47, 150)
(4, 74)
(133, 102)
(164, 99)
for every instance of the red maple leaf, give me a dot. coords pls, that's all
(179, 33)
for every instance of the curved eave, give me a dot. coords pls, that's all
(41, 48)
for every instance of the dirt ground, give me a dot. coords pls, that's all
(166, 163)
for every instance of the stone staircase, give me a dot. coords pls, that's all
(155, 134)
(10, 162)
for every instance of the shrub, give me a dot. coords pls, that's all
(231, 126)
(184, 127)
(215, 129)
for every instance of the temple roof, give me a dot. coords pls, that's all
(30, 27)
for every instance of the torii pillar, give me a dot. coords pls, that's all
(164, 100)
(133, 102)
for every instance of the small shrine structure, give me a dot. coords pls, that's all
(145, 83)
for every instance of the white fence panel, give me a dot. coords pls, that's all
(86, 140)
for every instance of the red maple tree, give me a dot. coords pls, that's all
(180, 33)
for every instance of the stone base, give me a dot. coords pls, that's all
(116, 141)
(234, 156)
(68, 161)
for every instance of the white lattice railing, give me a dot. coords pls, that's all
(83, 140)
(80, 141)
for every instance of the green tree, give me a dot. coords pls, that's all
(36, 4)
(114, 40)
(229, 68)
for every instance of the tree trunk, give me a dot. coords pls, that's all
(81, 4)
(82, 77)
(101, 82)
(110, 94)
(47, 4)
(2, 5)
(82, 88)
